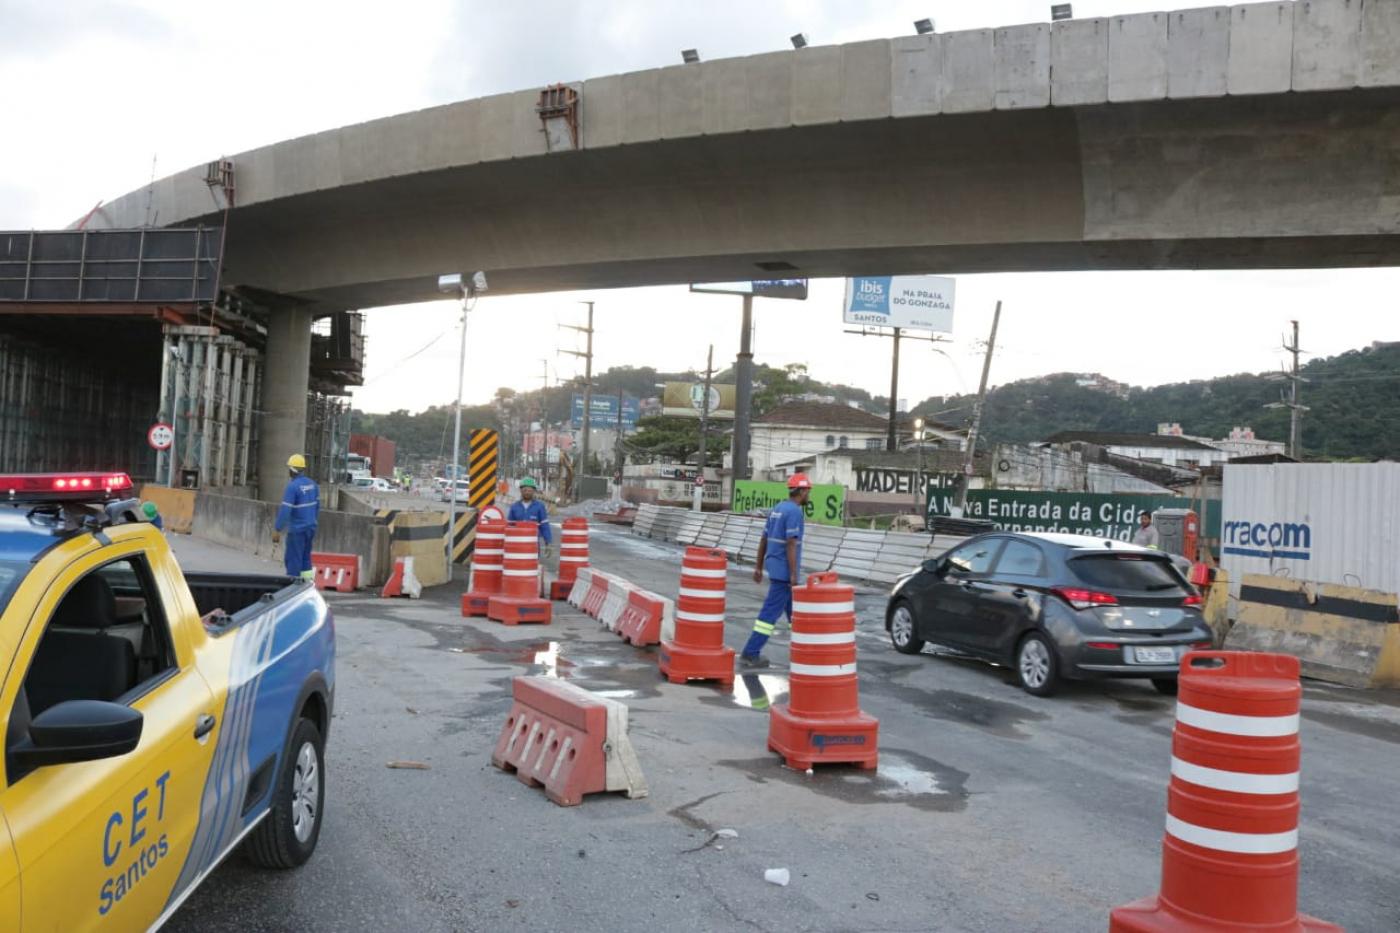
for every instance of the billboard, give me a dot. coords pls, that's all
(687, 399)
(1106, 515)
(919, 302)
(826, 505)
(603, 413)
(759, 288)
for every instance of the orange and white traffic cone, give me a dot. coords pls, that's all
(698, 651)
(488, 558)
(1230, 852)
(822, 722)
(519, 600)
(573, 554)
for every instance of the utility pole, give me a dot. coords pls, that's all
(977, 410)
(617, 455)
(704, 425)
(544, 423)
(1295, 413)
(743, 392)
(587, 354)
(892, 435)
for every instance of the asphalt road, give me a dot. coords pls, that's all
(991, 809)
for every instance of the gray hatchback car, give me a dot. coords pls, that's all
(1052, 606)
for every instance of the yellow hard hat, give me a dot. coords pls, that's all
(296, 462)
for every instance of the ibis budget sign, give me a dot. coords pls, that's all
(920, 302)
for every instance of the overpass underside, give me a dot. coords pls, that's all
(1273, 181)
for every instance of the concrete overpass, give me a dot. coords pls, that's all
(1258, 135)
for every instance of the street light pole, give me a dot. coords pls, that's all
(919, 460)
(457, 434)
(698, 501)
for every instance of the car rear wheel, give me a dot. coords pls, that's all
(1036, 665)
(1165, 685)
(287, 835)
(902, 630)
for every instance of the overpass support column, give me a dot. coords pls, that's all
(286, 376)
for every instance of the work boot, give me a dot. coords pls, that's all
(753, 662)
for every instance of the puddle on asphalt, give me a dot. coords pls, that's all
(757, 692)
(995, 716)
(902, 777)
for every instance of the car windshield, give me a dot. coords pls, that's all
(1127, 572)
(11, 572)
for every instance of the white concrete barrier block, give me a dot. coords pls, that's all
(916, 75)
(1079, 62)
(1327, 44)
(1021, 67)
(1198, 52)
(1380, 45)
(1261, 48)
(1137, 57)
(967, 71)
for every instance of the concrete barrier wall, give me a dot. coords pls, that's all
(176, 506)
(247, 524)
(854, 553)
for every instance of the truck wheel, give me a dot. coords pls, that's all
(287, 835)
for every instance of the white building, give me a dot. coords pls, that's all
(1171, 449)
(800, 429)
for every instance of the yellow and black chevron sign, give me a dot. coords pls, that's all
(464, 537)
(483, 466)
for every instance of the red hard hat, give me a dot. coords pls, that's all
(799, 481)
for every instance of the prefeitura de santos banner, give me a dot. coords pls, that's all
(826, 505)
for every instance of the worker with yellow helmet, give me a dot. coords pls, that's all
(301, 505)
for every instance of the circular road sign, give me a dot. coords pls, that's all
(160, 436)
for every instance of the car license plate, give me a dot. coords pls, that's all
(1154, 655)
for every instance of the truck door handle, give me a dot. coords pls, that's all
(1019, 593)
(203, 726)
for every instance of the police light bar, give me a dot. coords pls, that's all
(55, 487)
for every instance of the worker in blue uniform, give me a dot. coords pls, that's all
(531, 509)
(779, 553)
(301, 506)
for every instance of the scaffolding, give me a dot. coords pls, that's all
(209, 396)
(62, 411)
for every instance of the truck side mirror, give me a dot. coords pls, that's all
(79, 730)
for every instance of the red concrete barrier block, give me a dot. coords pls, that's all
(568, 741)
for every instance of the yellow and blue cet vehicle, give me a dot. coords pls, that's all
(154, 720)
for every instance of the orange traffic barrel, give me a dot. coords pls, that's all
(487, 558)
(698, 651)
(573, 554)
(520, 572)
(1230, 852)
(822, 722)
(519, 600)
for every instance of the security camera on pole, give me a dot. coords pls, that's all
(468, 290)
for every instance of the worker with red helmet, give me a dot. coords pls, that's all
(780, 553)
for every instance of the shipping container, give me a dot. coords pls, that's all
(380, 450)
(1323, 523)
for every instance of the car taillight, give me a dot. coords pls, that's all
(1193, 600)
(1084, 599)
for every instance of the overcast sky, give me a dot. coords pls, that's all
(93, 91)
